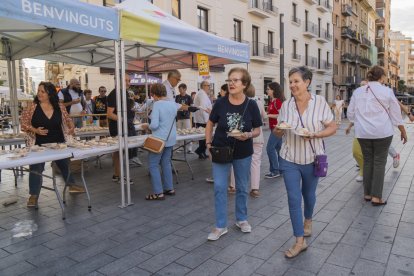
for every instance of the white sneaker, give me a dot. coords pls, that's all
(210, 180)
(190, 152)
(216, 234)
(137, 161)
(396, 161)
(359, 178)
(244, 226)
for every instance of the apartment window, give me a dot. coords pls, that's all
(336, 69)
(306, 54)
(295, 48)
(306, 19)
(328, 28)
(202, 15)
(319, 27)
(336, 44)
(327, 57)
(337, 20)
(294, 12)
(319, 58)
(255, 40)
(270, 39)
(237, 30)
(176, 8)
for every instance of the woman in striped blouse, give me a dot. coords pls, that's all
(298, 152)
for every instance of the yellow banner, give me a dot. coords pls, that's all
(203, 65)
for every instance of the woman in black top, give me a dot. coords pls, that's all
(234, 113)
(47, 121)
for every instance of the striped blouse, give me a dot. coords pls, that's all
(294, 148)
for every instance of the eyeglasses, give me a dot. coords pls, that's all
(232, 81)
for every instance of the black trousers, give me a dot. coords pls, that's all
(375, 152)
(201, 143)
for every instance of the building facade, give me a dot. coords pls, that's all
(307, 37)
(354, 47)
(404, 47)
(382, 38)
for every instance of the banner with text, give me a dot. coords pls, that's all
(203, 65)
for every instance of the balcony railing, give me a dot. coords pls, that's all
(311, 62)
(346, 10)
(311, 29)
(381, 49)
(296, 19)
(350, 80)
(260, 49)
(349, 33)
(239, 40)
(325, 34)
(365, 61)
(265, 6)
(324, 6)
(365, 42)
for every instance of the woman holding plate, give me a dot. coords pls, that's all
(311, 120)
(238, 121)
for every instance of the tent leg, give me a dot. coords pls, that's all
(125, 123)
(119, 123)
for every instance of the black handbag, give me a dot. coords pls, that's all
(223, 155)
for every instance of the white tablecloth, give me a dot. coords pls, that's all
(34, 158)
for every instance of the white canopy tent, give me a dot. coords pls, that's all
(150, 40)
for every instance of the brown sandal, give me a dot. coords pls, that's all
(295, 250)
(155, 197)
(231, 190)
(254, 193)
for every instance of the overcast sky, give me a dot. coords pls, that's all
(402, 12)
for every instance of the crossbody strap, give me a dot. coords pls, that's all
(368, 87)
(300, 118)
(171, 128)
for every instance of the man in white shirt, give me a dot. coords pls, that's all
(173, 78)
(72, 98)
(202, 100)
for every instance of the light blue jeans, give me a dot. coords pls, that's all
(272, 148)
(221, 173)
(294, 175)
(163, 159)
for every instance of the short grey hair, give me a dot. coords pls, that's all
(304, 72)
(174, 73)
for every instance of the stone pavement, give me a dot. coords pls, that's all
(350, 236)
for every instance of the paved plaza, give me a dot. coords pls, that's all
(350, 237)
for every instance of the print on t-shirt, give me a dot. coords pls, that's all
(234, 121)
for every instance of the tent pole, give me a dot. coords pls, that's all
(119, 122)
(14, 108)
(125, 122)
(147, 96)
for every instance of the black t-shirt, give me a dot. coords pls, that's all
(186, 99)
(100, 106)
(113, 125)
(227, 117)
(53, 125)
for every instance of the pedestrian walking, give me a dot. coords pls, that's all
(311, 112)
(375, 111)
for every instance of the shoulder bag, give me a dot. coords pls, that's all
(154, 144)
(321, 160)
(223, 155)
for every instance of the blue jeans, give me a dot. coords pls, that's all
(272, 148)
(36, 180)
(293, 175)
(77, 121)
(154, 160)
(221, 173)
